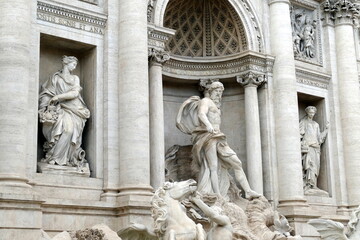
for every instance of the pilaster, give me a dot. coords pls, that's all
(250, 81)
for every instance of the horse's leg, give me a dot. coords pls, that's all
(172, 235)
(200, 232)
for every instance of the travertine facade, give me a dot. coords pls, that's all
(138, 61)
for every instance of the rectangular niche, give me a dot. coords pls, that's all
(305, 100)
(51, 51)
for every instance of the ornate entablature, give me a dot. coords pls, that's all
(60, 14)
(314, 79)
(306, 31)
(158, 36)
(221, 68)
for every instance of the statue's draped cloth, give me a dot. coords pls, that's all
(312, 138)
(64, 136)
(188, 122)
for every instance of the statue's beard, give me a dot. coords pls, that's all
(217, 101)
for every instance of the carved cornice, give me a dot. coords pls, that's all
(70, 18)
(158, 36)
(314, 79)
(158, 56)
(305, 3)
(341, 11)
(191, 68)
(250, 79)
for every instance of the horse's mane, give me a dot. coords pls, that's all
(159, 209)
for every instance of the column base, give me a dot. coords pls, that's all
(134, 208)
(109, 195)
(21, 215)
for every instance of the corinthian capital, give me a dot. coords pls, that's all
(342, 11)
(250, 79)
(158, 56)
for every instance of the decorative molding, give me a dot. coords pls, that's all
(70, 18)
(158, 56)
(250, 79)
(95, 2)
(150, 10)
(158, 36)
(305, 3)
(313, 79)
(213, 67)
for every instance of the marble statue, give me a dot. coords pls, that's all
(221, 228)
(308, 34)
(330, 230)
(201, 118)
(63, 114)
(170, 219)
(311, 140)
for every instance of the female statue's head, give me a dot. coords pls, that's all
(70, 62)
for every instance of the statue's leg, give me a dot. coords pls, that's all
(212, 159)
(241, 177)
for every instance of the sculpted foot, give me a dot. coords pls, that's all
(251, 195)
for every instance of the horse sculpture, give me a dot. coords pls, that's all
(170, 219)
(330, 230)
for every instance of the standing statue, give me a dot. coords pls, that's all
(63, 114)
(311, 140)
(308, 34)
(201, 118)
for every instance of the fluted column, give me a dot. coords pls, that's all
(15, 38)
(250, 82)
(349, 95)
(157, 145)
(285, 104)
(133, 99)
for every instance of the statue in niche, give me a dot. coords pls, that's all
(201, 118)
(303, 34)
(63, 114)
(311, 140)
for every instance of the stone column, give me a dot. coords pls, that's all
(157, 145)
(133, 99)
(250, 82)
(285, 105)
(111, 105)
(347, 73)
(15, 38)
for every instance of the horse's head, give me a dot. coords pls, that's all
(180, 190)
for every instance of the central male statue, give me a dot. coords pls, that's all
(201, 118)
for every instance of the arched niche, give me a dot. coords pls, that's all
(244, 11)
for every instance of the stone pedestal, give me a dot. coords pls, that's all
(250, 82)
(157, 146)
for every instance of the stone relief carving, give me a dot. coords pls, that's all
(201, 118)
(63, 114)
(311, 140)
(304, 33)
(150, 9)
(331, 230)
